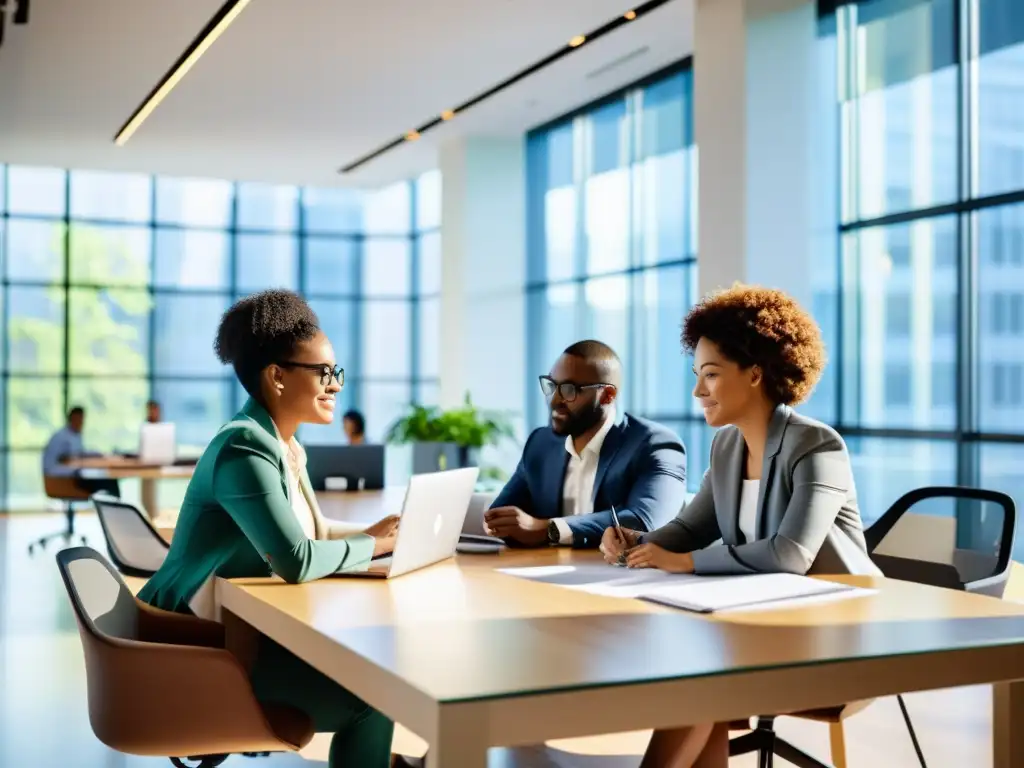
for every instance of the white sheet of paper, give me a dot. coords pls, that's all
(747, 592)
(601, 578)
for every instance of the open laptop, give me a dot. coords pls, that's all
(432, 516)
(157, 444)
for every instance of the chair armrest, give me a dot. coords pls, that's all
(159, 626)
(173, 700)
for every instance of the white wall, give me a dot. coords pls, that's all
(754, 107)
(483, 257)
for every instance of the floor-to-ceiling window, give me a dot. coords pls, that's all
(113, 285)
(931, 384)
(612, 246)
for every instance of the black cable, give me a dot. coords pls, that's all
(910, 728)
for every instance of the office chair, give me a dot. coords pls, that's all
(977, 556)
(134, 545)
(66, 490)
(923, 558)
(163, 684)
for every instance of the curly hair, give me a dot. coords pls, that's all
(261, 329)
(763, 327)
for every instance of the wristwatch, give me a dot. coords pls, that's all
(554, 536)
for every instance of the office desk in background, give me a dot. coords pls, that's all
(120, 468)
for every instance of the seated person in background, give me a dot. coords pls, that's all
(65, 445)
(250, 511)
(571, 474)
(779, 490)
(355, 427)
(153, 415)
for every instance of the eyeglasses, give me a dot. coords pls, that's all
(326, 372)
(567, 389)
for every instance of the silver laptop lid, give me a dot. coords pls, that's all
(432, 516)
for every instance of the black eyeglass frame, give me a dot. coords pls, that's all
(325, 371)
(556, 386)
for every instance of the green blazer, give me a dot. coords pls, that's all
(237, 520)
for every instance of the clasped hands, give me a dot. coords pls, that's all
(627, 549)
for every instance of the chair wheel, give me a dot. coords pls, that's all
(205, 761)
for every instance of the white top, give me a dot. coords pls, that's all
(294, 463)
(748, 509)
(578, 487)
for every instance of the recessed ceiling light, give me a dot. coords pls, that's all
(412, 135)
(447, 115)
(629, 15)
(214, 29)
(577, 41)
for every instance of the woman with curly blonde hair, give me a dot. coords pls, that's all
(779, 489)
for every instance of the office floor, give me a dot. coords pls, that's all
(44, 720)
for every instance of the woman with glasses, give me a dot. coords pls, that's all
(250, 510)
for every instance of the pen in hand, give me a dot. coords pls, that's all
(620, 534)
(618, 528)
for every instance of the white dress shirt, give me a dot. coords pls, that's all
(748, 509)
(578, 487)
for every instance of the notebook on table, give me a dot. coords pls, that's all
(708, 595)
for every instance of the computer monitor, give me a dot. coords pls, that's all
(157, 444)
(345, 467)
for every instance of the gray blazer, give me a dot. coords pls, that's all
(807, 516)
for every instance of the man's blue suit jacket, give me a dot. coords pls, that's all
(641, 471)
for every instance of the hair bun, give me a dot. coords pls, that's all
(261, 329)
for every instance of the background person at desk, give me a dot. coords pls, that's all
(65, 445)
(572, 474)
(153, 412)
(355, 427)
(250, 511)
(779, 491)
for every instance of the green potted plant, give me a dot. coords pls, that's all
(446, 439)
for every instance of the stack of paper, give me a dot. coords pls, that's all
(763, 589)
(703, 594)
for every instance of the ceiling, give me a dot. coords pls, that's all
(295, 89)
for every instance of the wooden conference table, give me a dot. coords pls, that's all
(469, 658)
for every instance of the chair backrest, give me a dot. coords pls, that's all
(135, 546)
(156, 686)
(103, 604)
(948, 536)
